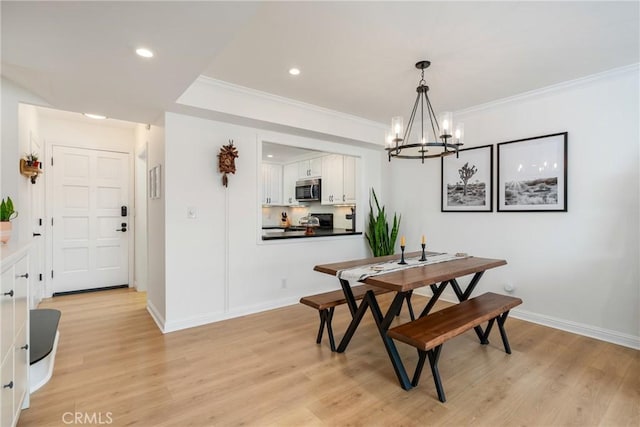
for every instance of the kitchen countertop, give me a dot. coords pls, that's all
(271, 234)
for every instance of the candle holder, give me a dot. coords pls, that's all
(424, 255)
(402, 261)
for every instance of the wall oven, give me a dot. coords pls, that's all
(308, 190)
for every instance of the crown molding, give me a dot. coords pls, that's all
(553, 88)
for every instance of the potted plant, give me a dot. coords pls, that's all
(32, 160)
(382, 241)
(7, 213)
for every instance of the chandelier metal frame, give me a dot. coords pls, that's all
(398, 144)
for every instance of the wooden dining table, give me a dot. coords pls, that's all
(437, 276)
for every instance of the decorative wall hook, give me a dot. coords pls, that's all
(226, 161)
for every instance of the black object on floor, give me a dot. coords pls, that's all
(82, 291)
(44, 324)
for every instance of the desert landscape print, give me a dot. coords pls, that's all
(541, 191)
(463, 193)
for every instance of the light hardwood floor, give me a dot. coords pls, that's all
(265, 369)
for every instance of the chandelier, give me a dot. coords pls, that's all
(444, 140)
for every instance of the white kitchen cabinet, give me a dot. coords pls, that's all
(290, 176)
(311, 168)
(338, 180)
(271, 184)
(14, 334)
(349, 179)
(331, 179)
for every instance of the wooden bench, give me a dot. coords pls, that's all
(429, 333)
(326, 302)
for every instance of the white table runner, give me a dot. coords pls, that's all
(358, 274)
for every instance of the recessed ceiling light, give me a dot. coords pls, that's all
(145, 53)
(294, 71)
(95, 116)
(270, 156)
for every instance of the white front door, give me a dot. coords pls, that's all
(90, 231)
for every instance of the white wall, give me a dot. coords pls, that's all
(15, 144)
(248, 105)
(156, 292)
(216, 265)
(576, 270)
(140, 218)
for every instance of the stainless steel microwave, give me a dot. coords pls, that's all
(308, 190)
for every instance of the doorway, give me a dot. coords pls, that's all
(90, 219)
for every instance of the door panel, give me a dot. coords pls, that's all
(89, 188)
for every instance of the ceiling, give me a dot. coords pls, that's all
(282, 154)
(355, 57)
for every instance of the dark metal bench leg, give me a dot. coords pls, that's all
(323, 320)
(484, 339)
(434, 355)
(422, 356)
(332, 342)
(503, 333)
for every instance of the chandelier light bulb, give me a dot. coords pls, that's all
(396, 126)
(459, 133)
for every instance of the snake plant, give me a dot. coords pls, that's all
(382, 241)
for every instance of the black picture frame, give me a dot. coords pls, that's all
(456, 195)
(532, 174)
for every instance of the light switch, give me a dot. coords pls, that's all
(191, 213)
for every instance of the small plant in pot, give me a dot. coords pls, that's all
(7, 213)
(32, 160)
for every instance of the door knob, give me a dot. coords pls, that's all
(123, 229)
(36, 234)
(10, 293)
(10, 385)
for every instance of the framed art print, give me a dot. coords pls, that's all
(532, 174)
(467, 180)
(155, 182)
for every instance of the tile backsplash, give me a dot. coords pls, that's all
(271, 215)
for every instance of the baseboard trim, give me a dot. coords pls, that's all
(194, 321)
(602, 334)
(598, 333)
(155, 315)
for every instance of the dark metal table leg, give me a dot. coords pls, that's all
(353, 326)
(383, 325)
(409, 305)
(463, 296)
(348, 294)
(437, 291)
